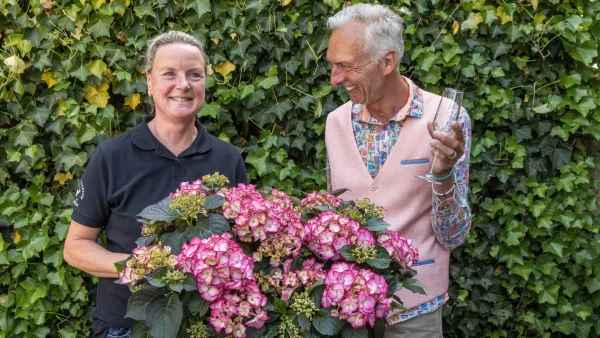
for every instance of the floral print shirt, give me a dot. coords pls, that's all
(451, 218)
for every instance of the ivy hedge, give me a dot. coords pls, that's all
(71, 76)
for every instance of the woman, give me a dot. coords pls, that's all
(140, 167)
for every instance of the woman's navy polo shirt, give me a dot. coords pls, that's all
(127, 173)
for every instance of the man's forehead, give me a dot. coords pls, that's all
(345, 44)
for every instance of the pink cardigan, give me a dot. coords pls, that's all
(406, 199)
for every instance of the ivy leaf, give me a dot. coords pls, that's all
(258, 161)
(144, 10)
(225, 68)
(200, 6)
(584, 53)
(133, 101)
(499, 48)
(97, 68)
(99, 25)
(267, 82)
(69, 159)
(164, 315)
(258, 5)
(560, 157)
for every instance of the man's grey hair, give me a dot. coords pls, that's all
(383, 31)
(169, 38)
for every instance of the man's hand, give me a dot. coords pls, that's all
(448, 147)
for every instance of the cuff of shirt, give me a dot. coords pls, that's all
(449, 204)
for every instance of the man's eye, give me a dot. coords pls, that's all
(168, 74)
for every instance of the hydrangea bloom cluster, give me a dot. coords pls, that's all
(218, 264)
(281, 198)
(285, 282)
(328, 232)
(316, 198)
(234, 307)
(257, 218)
(362, 210)
(186, 188)
(357, 295)
(144, 260)
(400, 248)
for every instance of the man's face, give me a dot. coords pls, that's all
(351, 68)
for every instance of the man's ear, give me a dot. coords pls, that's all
(389, 61)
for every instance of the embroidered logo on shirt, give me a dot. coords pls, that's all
(79, 194)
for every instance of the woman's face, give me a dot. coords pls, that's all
(177, 80)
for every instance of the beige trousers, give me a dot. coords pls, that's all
(426, 326)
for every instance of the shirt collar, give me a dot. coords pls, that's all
(143, 138)
(413, 107)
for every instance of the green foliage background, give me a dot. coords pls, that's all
(71, 76)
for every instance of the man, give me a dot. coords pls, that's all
(381, 139)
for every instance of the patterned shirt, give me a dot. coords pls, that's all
(451, 218)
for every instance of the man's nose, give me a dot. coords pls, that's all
(336, 76)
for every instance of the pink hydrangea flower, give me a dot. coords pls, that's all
(218, 263)
(329, 232)
(186, 188)
(356, 295)
(315, 198)
(237, 309)
(400, 248)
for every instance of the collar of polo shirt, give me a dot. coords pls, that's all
(143, 138)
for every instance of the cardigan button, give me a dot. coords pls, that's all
(373, 188)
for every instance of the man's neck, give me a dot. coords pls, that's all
(394, 98)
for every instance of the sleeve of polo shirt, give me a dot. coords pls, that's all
(241, 176)
(90, 207)
(451, 218)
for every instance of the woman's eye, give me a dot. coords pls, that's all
(195, 76)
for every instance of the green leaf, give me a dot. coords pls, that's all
(258, 5)
(138, 302)
(553, 247)
(97, 68)
(155, 278)
(159, 212)
(346, 252)
(499, 48)
(380, 326)
(377, 225)
(69, 159)
(584, 53)
(200, 6)
(145, 9)
(164, 315)
(190, 283)
(99, 25)
(214, 202)
(140, 330)
(198, 306)
(382, 260)
(326, 324)
(350, 332)
(174, 240)
(258, 161)
(267, 82)
(413, 285)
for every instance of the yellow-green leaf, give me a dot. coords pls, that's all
(62, 178)
(472, 21)
(225, 68)
(133, 100)
(97, 68)
(15, 64)
(15, 236)
(48, 77)
(534, 3)
(98, 95)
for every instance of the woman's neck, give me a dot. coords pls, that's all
(176, 137)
